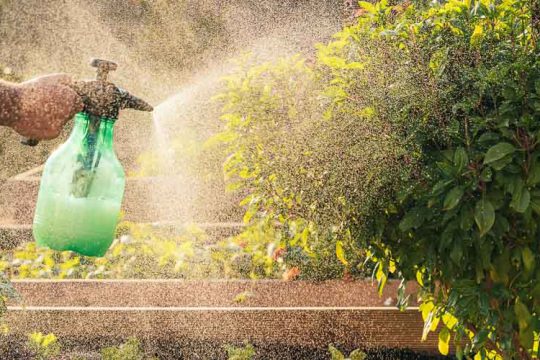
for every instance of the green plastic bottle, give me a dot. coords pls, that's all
(82, 184)
(81, 191)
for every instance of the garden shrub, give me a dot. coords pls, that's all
(288, 154)
(43, 346)
(412, 141)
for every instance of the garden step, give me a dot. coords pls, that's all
(146, 199)
(222, 293)
(13, 235)
(298, 313)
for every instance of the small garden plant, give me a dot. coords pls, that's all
(354, 355)
(246, 352)
(43, 346)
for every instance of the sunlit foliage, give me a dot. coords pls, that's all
(412, 141)
(143, 252)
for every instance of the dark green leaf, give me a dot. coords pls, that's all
(440, 186)
(484, 215)
(461, 159)
(499, 151)
(520, 199)
(523, 315)
(452, 198)
(412, 219)
(466, 218)
(528, 259)
(533, 177)
(487, 138)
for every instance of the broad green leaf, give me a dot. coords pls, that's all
(498, 152)
(444, 341)
(413, 219)
(535, 202)
(521, 199)
(461, 159)
(466, 218)
(459, 352)
(523, 315)
(501, 267)
(526, 337)
(533, 177)
(501, 164)
(528, 259)
(480, 338)
(484, 216)
(440, 186)
(452, 198)
(457, 253)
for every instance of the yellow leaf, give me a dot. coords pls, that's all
(449, 320)
(477, 34)
(444, 341)
(392, 267)
(419, 278)
(340, 253)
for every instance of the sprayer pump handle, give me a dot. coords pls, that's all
(103, 68)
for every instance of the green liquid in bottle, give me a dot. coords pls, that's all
(81, 191)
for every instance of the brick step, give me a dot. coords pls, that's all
(146, 199)
(299, 313)
(12, 236)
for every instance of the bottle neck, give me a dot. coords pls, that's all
(94, 130)
(106, 134)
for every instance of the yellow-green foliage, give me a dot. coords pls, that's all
(338, 355)
(144, 252)
(43, 346)
(246, 352)
(309, 156)
(130, 350)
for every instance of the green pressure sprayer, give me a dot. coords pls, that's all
(82, 185)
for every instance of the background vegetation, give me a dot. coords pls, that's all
(408, 147)
(412, 142)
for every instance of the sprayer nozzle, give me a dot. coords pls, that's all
(132, 102)
(103, 98)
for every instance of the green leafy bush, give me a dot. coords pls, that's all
(286, 151)
(412, 141)
(466, 225)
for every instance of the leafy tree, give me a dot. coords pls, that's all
(466, 225)
(441, 100)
